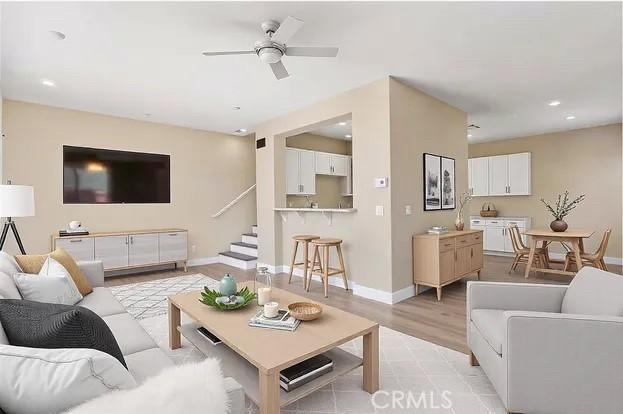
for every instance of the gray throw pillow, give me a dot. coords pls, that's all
(48, 325)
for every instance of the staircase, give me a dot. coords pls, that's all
(242, 254)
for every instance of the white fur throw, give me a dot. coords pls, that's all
(187, 389)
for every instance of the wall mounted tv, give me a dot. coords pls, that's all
(101, 176)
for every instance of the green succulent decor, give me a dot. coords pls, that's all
(239, 300)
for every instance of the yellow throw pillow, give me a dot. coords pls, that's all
(31, 263)
(76, 274)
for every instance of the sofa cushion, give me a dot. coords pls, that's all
(8, 264)
(148, 363)
(189, 388)
(490, 324)
(47, 325)
(130, 334)
(53, 284)
(42, 381)
(102, 302)
(8, 290)
(594, 292)
(72, 267)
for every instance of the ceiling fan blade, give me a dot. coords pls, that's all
(287, 29)
(312, 51)
(279, 70)
(237, 52)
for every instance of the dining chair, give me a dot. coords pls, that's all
(522, 252)
(591, 259)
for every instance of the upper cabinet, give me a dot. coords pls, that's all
(300, 172)
(500, 175)
(332, 164)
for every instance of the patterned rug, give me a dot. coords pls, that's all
(411, 369)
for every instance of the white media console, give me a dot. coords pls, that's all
(129, 249)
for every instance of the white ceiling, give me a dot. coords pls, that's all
(337, 131)
(500, 62)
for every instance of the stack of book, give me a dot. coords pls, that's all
(283, 321)
(304, 372)
(80, 231)
(438, 230)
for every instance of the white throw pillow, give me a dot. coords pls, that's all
(53, 285)
(8, 290)
(8, 264)
(190, 388)
(42, 381)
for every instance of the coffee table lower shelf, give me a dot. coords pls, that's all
(235, 366)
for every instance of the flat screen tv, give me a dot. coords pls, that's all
(101, 176)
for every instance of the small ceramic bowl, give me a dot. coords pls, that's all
(305, 311)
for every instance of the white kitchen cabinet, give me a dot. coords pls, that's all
(143, 249)
(519, 173)
(478, 176)
(79, 248)
(300, 172)
(112, 251)
(173, 246)
(347, 182)
(332, 164)
(339, 164)
(497, 233)
(500, 175)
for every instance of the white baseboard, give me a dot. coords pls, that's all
(202, 261)
(333, 280)
(557, 256)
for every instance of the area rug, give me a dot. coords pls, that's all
(408, 365)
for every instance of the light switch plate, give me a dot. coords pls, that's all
(381, 182)
(408, 210)
(380, 210)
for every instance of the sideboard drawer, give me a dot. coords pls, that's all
(79, 248)
(173, 246)
(476, 238)
(446, 244)
(462, 241)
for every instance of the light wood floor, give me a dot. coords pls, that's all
(421, 316)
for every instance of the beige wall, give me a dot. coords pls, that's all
(392, 125)
(584, 161)
(419, 124)
(328, 188)
(207, 171)
(367, 237)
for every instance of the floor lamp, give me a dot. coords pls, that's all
(15, 201)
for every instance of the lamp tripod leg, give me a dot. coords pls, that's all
(17, 238)
(5, 230)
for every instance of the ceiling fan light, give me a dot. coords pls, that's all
(270, 55)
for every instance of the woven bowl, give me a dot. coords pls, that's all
(305, 311)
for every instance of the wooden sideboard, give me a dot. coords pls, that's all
(128, 249)
(440, 259)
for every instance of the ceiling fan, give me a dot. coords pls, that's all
(272, 48)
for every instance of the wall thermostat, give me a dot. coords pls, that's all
(381, 182)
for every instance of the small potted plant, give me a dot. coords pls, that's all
(464, 199)
(562, 209)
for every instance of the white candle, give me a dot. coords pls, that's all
(271, 309)
(263, 296)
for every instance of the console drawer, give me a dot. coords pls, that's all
(173, 246)
(446, 244)
(79, 248)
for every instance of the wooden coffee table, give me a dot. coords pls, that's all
(255, 356)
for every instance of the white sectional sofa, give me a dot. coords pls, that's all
(142, 355)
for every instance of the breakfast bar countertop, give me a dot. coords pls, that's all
(319, 210)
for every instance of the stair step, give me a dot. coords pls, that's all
(249, 238)
(244, 248)
(238, 256)
(250, 234)
(243, 244)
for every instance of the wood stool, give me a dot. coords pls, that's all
(326, 270)
(305, 264)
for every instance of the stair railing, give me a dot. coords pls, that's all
(234, 201)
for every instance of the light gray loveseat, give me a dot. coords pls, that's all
(551, 348)
(143, 357)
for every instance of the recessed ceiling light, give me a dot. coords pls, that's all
(342, 123)
(570, 117)
(348, 136)
(469, 135)
(58, 35)
(240, 131)
(47, 82)
(147, 115)
(554, 103)
(236, 108)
